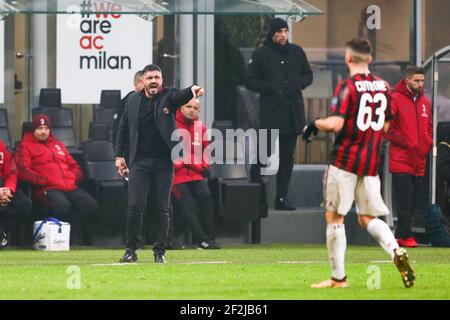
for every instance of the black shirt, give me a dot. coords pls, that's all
(150, 142)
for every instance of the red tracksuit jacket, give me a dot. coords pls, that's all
(191, 172)
(7, 168)
(410, 132)
(46, 165)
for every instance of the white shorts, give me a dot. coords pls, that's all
(341, 188)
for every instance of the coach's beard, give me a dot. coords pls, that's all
(153, 90)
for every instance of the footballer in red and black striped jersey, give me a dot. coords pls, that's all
(360, 118)
(364, 102)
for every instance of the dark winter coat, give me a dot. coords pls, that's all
(279, 73)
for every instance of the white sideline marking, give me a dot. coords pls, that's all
(206, 262)
(387, 261)
(302, 262)
(135, 264)
(113, 264)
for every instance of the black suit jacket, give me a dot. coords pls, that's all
(166, 104)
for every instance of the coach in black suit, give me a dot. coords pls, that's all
(147, 125)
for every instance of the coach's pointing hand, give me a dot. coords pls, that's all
(197, 91)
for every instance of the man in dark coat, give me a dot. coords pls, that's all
(279, 70)
(146, 126)
(138, 86)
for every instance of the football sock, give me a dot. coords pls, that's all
(381, 232)
(337, 245)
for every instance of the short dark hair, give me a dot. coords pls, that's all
(412, 70)
(151, 67)
(360, 45)
(138, 76)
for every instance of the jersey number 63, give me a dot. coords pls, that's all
(364, 120)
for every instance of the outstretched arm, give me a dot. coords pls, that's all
(183, 96)
(330, 124)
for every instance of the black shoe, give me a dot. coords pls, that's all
(208, 245)
(283, 204)
(159, 257)
(129, 256)
(401, 261)
(175, 245)
(3, 240)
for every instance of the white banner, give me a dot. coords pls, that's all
(100, 51)
(2, 62)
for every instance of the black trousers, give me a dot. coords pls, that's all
(408, 193)
(187, 198)
(287, 143)
(150, 178)
(19, 209)
(74, 206)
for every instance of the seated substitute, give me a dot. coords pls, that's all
(44, 162)
(14, 205)
(190, 191)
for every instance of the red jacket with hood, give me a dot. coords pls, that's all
(410, 132)
(46, 165)
(8, 170)
(194, 170)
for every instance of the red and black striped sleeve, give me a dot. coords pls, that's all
(342, 99)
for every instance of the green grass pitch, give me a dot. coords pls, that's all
(247, 272)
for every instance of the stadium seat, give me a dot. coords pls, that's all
(110, 99)
(443, 131)
(98, 130)
(247, 109)
(235, 198)
(105, 115)
(50, 97)
(5, 135)
(26, 126)
(62, 124)
(104, 183)
(223, 125)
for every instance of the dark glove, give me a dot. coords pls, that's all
(309, 130)
(205, 173)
